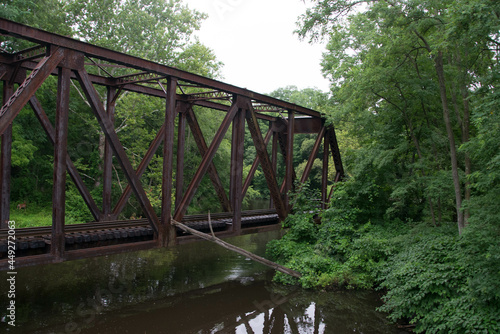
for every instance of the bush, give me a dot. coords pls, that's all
(444, 283)
(337, 253)
(434, 278)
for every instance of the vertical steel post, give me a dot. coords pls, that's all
(324, 174)
(260, 147)
(205, 163)
(107, 174)
(60, 152)
(5, 163)
(274, 161)
(181, 143)
(289, 158)
(166, 231)
(73, 172)
(236, 176)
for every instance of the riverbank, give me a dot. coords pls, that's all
(437, 280)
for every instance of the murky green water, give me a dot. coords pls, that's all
(194, 288)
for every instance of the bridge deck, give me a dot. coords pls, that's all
(33, 244)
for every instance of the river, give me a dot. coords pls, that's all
(193, 288)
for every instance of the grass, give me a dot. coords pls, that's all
(36, 216)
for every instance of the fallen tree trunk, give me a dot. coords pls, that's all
(238, 250)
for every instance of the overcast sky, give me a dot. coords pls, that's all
(255, 41)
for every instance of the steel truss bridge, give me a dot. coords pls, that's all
(74, 63)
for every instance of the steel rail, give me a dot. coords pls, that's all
(115, 224)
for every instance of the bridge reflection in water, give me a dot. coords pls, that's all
(193, 288)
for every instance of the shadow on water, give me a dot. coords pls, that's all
(194, 288)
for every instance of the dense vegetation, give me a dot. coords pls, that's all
(415, 101)
(415, 90)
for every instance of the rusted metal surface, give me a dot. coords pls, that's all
(109, 131)
(337, 160)
(26, 90)
(42, 37)
(307, 125)
(324, 172)
(69, 60)
(269, 174)
(181, 146)
(107, 173)
(205, 163)
(165, 230)
(312, 156)
(289, 177)
(236, 173)
(5, 164)
(212, 171)
(60, 154)
(255, 165)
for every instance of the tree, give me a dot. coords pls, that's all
(403, 59)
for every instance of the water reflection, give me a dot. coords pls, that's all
(195, 288)
(258, 307)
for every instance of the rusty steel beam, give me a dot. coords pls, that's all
(212, 95)
(155, 144)
(138, 78)
(205, 163)
(4, 69)
(166, 231)
(312, 156)
(289, 177)
(337, 160)
(107, 173)
(255, 165)
(324, 172)
(307, 125)
(42, 37)
(135, 88)
(26, 90)
(118, 149)
(253, 127)
(5, 164)
(274, 158)
(60, 154)
(73, 172)
(236, 173)
(282, 140)
(212, 171)
(181, 147)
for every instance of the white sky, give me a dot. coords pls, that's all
(255, 41)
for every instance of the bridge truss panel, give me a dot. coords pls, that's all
(86, 66)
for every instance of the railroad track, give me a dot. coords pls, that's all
(121, 224)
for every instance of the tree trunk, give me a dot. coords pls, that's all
(451, 138)
(465, 138)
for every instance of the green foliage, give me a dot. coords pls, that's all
(484, 150)
(337, 252)
(443, 283)
(33, 216)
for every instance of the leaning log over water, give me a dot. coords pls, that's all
(238, 250)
